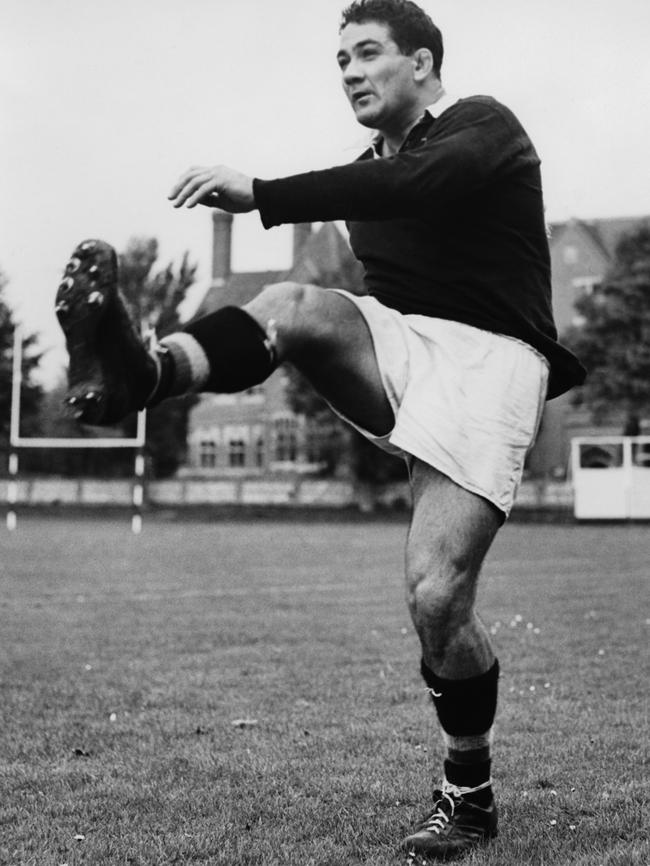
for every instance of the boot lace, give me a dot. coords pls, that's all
(444, 811)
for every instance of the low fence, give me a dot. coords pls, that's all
(545, 494)
(307, 492)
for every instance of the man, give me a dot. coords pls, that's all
(447, 360)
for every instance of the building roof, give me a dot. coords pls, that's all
(324, 257)
(237, 289)
(606, 233)
(610, 231)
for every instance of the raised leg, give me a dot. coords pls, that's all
(112, 373)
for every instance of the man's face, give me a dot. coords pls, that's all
(377, 77)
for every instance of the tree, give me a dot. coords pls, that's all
(613, 337)
(154, 298)
(31, 392)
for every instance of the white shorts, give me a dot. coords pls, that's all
(466, 401)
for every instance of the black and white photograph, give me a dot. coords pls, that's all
(324, 433)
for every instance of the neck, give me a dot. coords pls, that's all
(394, 135)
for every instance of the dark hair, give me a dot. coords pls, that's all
(410, 27)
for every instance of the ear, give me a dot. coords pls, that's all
(422, 64)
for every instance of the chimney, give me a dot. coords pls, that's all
(301, 234)
(221, 246)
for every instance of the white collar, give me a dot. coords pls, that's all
(444, 101)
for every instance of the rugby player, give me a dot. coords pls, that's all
(447, 360)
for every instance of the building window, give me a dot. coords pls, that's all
(236, 452)
(313, 447)
(320, 443)
(259, 452)
(207, 453)
(286, 440)
(641, 454)
(603, 456)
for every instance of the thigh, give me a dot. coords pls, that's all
(325, 337)
(451, 532)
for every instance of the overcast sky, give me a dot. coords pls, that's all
(105, 104)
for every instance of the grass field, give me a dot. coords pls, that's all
(248, 693)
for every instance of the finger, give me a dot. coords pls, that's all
(185, 178)
(186, 185)
(210, 187)
(191, 186)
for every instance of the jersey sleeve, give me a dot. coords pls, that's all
(469, 146)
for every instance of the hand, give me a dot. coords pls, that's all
(218, 186)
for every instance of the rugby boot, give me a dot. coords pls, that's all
(111, 372)
(452, 828)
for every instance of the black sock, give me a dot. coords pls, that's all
(238, 349)
(465, 707)
(223, 352)
(471, 775)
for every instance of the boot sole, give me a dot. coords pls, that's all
(88, 288)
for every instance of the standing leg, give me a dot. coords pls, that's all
(450, 534)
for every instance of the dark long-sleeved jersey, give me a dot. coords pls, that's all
(452, 226)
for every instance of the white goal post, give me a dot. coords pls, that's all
(16, 442)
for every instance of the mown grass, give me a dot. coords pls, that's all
(126, 662)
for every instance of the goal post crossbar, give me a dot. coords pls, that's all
(16, 442)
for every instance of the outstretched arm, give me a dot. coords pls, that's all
(470, 144)
(217, 186)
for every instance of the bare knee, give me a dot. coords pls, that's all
(440, 597)
(286, 294)
(289, 313)
(440, 576)
(281, 302)
(437, 607)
